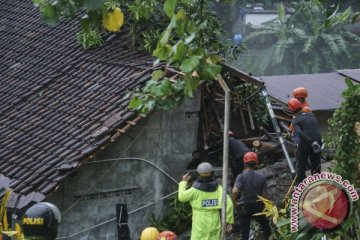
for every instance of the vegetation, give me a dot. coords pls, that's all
(345, 140)
(186, 35)
(178, 218)
(311, 40)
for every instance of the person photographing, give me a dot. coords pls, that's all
(205, 197)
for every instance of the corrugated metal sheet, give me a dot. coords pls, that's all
(324, 89)
(351, 73)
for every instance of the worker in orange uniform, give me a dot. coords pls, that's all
(307, 138)
(301, 94)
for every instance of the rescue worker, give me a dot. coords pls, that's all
(301, 94)
(249, 185)
(237, 150)
(307, 138)
(205, 196)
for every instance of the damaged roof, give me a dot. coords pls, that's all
(324, 89)
(59, 103)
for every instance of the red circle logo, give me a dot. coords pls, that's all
(325, 206)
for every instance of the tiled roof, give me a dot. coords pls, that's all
(58, 102)
(324, 89)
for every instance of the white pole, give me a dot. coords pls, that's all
(225, 155)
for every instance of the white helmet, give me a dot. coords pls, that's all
(205, 170)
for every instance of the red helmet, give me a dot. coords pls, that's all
(294, 104)
(250, 157)
(300, 92)
(167, 235)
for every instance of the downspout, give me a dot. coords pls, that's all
(225, 154)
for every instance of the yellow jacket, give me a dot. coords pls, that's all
(206, 211)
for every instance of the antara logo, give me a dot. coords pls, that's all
(33, 221)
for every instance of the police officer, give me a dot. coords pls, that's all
(307, 138)
(205, 197)
(41, 221)
(249, 185)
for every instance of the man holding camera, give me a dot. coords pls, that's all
(205, 197)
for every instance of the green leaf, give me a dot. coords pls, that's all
(209, 71)
(156, 91)
(93, 4)
(189, 64)
(165, 37)
(190, 38)
(180, 15)
(349, 83)
(283, 222)
(180, 50)
(178, 86)
(190, 85)
(85, 22)
(149, 106)
(162, 51)
(281, 13)
(37, 2)
(49, 14)
(191, 27)
(156, 75)
(180, 22)
(169, 7)
(166, 87)
(135, 103)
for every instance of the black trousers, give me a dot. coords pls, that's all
(304, 151)
(245, 218)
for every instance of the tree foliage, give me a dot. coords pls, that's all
(311, 40)
(345, 134)
(185, 35)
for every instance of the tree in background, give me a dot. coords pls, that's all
(311, 40)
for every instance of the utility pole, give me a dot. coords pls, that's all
(225, 154)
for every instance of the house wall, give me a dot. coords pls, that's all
(89, 196)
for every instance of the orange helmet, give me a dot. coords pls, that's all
(294, 104)
(300, 92)
(250, 157)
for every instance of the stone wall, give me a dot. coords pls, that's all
(137, 169)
